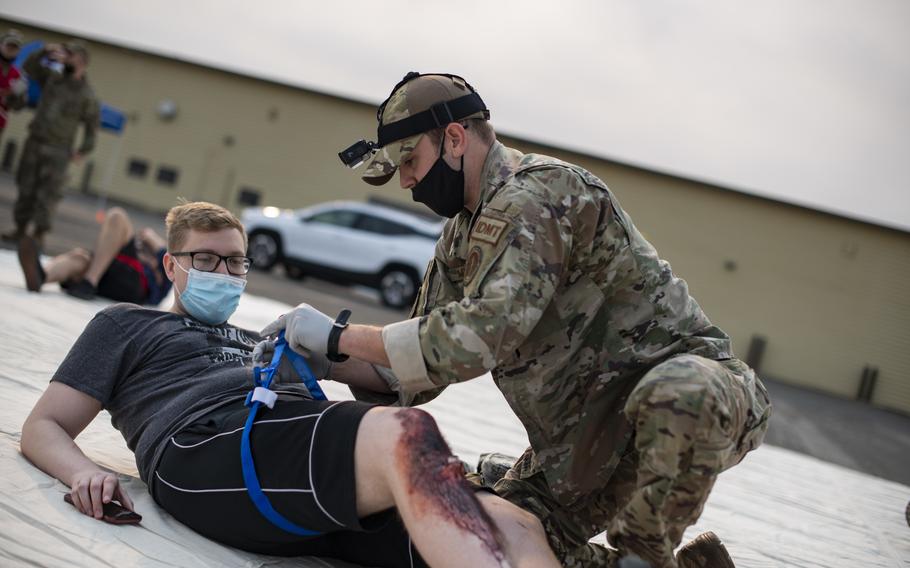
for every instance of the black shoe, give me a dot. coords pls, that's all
(493, 467)
(31, 266)
(82, 289)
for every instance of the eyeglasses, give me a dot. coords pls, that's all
(209, 262)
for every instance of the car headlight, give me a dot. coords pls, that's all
(271, 212)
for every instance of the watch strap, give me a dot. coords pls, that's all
(341, 323)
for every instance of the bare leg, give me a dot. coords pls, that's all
(523, 535)
(401, 460)
(70, 265)
(115, 232)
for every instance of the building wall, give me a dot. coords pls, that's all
(230, 132)
(828, 294)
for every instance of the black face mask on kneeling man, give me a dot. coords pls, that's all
(442, 188)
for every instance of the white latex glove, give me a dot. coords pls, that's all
(306, 329)
(265, 350)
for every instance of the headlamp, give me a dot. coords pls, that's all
(436, 116)
(357, 153)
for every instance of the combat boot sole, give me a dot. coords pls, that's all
(705, 551)
(31, 266)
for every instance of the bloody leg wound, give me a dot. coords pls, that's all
(436, 478)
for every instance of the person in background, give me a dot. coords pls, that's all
(12, 85)
(67, 100)
(125, 266)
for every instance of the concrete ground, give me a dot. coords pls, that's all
(845, 432)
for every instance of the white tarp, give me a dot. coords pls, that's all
(777, 508)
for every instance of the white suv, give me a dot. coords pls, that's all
(347, 242)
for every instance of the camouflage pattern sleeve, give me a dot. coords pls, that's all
(91, 117)
(514, 259)
(32, 66)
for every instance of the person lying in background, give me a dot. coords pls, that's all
(125, 266)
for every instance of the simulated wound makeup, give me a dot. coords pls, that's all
(436, 480)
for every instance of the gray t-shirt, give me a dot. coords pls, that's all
(157, 371)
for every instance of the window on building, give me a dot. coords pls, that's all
(249, 196)
(137, 168)
(167, 175)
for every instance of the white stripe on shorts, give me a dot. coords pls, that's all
(256, 423)
(225, 490)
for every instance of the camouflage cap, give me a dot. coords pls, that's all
(412, 97)
(77, 46)
(12, 36)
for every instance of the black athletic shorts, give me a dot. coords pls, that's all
(304, 456)
(123, 281)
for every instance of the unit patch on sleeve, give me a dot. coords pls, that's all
(489, 230)
(473, 263)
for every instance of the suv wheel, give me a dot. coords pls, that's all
(293, 271)
(398, 287)
(264, 249)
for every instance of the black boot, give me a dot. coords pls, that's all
(705, 551)
(493, 466)
(31, 266)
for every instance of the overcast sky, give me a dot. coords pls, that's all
(805, 101)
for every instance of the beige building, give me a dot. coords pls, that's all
(811, 298)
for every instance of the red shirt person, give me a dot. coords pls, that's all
(11, 82)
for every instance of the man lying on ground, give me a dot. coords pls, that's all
(125, 266)
(370, 478)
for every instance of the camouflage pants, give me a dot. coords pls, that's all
(40, 177)
(693, 419)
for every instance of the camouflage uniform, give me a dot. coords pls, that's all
(631, 398)
(65, 103)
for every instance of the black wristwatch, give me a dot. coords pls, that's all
(341, 323)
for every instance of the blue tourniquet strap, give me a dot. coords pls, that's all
(246, 454)
(305, 374)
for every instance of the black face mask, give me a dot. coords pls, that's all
(69, 69)
(442, 188)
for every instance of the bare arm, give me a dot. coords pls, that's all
(364, 342)
(48, 436)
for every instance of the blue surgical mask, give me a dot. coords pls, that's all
(211, 297)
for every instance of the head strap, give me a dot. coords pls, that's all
(436, 116)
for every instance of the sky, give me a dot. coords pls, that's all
(802, 101)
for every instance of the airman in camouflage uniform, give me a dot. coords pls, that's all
(632, 399)
(66, 101)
